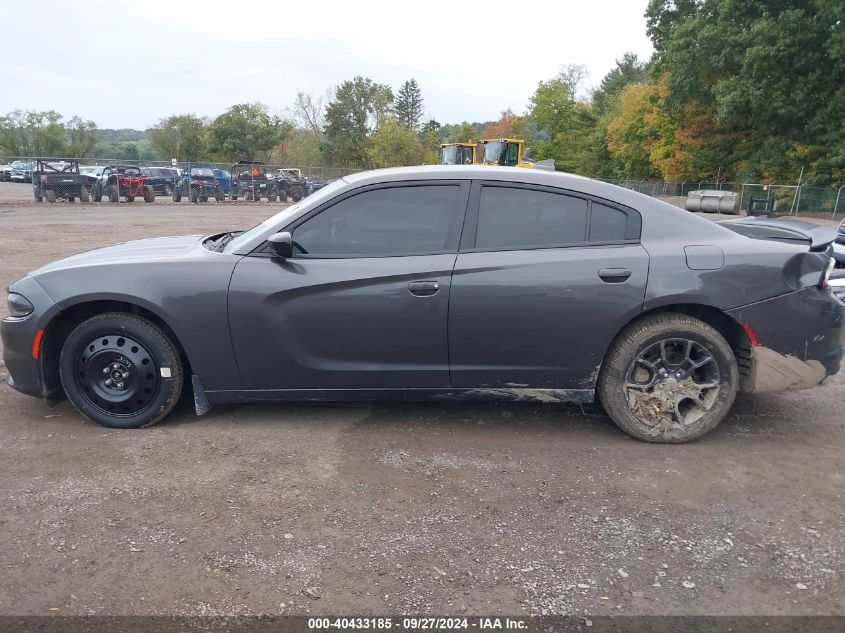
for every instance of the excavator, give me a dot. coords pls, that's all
(507, 152)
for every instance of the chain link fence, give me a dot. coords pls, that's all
(787, 199)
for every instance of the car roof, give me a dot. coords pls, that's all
(508, 174)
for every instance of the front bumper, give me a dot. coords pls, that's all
(801, 340)
(19, 335)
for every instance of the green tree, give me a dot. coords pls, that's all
(628, 70)
(409, 104)
(14, 134)
(351, 116)
(301, 148)
(82, 137)
(393, 144)
(770, 73)
(246, 131)
(33, 133)
(565, 126)
(180, 136)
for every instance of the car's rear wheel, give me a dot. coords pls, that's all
(668, 378)
(149, 194)
(50, 195)
(114, 194)
(121, 371)
(83, 195)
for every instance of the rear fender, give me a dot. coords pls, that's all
(797, 339)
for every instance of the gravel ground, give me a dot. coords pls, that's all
(401, 508)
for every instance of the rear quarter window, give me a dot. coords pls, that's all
(607, 224)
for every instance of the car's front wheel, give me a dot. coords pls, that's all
(121, 371)
(668, 378)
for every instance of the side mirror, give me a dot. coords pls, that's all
(281, 244)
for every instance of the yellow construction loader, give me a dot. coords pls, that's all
(507, 152)
(458, 154)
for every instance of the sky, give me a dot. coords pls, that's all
(127, 64)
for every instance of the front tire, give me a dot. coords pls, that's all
(668, 378)
(121, 371)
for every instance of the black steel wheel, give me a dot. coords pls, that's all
(668, 378)
(121, 371)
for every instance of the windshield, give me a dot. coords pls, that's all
(494, 153)
(449, 155)
(18, 164)
(278, 220)
(202, 171)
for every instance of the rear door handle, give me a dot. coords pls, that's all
(614, 275)
(424, 288)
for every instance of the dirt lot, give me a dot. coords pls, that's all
(450, 509)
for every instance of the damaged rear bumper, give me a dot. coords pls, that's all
(800, 340)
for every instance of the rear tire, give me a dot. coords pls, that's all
(149, 194)
(114, 194)
(50, 195)
(668, 378)
(83, 195)
(193, 196)
(114, 347)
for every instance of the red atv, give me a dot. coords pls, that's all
(123, 180)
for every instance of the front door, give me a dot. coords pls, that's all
(363, 303)
(543, 283)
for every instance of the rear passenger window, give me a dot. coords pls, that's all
(607, 224)
(518, 218)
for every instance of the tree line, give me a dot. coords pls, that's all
(749, 90)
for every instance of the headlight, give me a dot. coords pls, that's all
(19, 306)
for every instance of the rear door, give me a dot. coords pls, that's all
(363, 302)
(544, 280)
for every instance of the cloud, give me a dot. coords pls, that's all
(127, 64)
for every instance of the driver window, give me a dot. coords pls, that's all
(382, 222)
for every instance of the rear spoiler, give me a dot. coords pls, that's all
(818, 236)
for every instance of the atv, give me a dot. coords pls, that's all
(53, 179)
(123, 180)
(251, 182)
(292, 184)
(198, 184)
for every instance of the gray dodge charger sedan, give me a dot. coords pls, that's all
(440, 283)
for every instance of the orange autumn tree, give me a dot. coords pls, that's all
(503, 128)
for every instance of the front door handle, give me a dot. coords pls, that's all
(424, 288)
(614, 275)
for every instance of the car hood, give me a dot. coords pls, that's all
(153, 249)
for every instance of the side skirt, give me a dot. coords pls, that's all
(509, 394)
